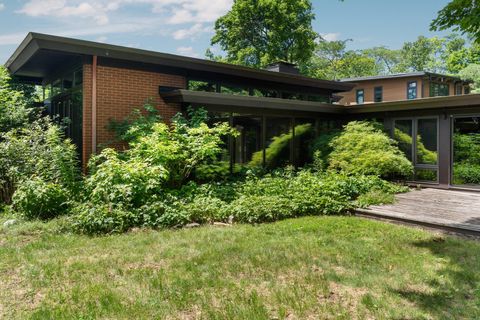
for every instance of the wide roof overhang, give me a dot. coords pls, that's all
(38, 53)
(212, 99)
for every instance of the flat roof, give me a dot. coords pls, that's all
(22, 62)
(239, 101)
(399, 75)
(444, 102)
(230, 100)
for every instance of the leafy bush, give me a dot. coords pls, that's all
(256, 209)
(14, 112)
(38, 149)
(205, 210)
(103, 219)
(182, 146)
(124, 183)
(363, 148)
(466, 173)
(38, 199)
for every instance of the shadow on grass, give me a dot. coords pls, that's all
(454, 285)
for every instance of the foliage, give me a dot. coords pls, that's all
(37, 149)
(321, 146)
(424, 155)
(218, 170)
(14, 112)
(466, 161)
(333, 61)
(466, 173)
(450, 54)
(461, 15)
(258, 32)
(125, 183)
(137, 124)
(363, 148)
(181, 147)
(38, 199)
(472, 73)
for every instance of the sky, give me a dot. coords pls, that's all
(185, 27)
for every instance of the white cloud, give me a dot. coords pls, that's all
(102, 17)
(191, 32)
(334, 36)
(2, 6)
(62, 8)
(187, 51)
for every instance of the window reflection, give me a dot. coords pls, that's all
(427, 141)
(278, 139)
(466, 151)
(248, 145)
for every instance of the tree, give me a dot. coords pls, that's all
(422, 54)
(258, 32)
(461, 15)
(386, 59)
(333, 61)
(472, 73)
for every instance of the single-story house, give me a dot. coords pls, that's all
(92, 83)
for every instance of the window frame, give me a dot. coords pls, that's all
(357, 96)
(378, 90)
(408, 89)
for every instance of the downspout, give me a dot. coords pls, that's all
(94, 105)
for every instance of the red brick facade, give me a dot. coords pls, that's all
(119, 91)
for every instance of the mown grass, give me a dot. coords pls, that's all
(315, 267)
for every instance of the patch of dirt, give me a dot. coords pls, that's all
(347, 297)
(16, 294)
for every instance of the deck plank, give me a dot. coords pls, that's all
(455, 209)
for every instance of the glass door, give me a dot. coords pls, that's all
(421, 150)
(466, 151)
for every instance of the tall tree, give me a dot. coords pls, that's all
(422, 54)
(386, 59)
(258, 32)
(461, 15)
(472, 73)
(333, 61)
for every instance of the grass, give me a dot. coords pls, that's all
(308, 268)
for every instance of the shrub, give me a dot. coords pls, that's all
(256, 209)
(103, 219)
(466, 173)
(363, 148)
(182, 146)
(38, 199)
(38, 149)
(124, 183)
(205, 210)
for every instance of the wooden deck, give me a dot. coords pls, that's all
(445, 209)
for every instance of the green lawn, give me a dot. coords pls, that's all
(308, 268)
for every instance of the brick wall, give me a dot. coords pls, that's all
(119, 91)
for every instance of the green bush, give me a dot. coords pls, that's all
(103, 219)
(37, 149)
(38, 199)
(256, 209)
(124, 183)
(205, 210)
(363, 148)
(466, 173)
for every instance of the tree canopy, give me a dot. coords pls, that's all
(258, 32)
(461, 15)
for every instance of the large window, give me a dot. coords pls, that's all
(412, 90)
(378, 94)
(248, 145)
(360, 96)
(421, 150)
(278, 141)
(466, 151)
(439, 89)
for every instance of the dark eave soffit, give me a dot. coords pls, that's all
(36, 41)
